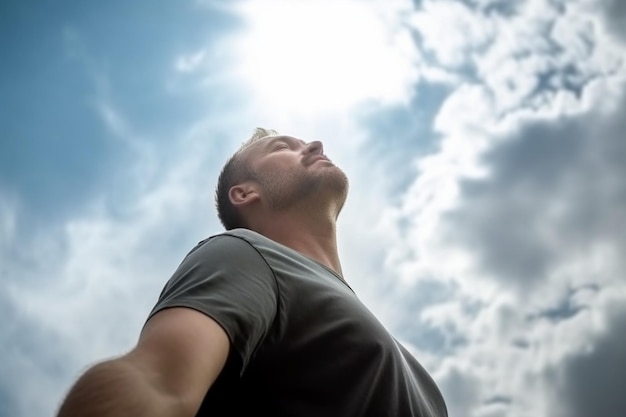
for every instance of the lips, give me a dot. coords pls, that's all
(318, 158)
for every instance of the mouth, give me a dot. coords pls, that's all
(319, 158)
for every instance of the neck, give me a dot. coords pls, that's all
(313, 236)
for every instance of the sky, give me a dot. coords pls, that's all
(484, 141)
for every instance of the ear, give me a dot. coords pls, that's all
(244, 194)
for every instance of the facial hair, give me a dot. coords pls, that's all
(302, 186)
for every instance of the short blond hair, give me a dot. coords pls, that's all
(235, 170)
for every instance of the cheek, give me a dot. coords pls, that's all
(282, 179)
(271, 163)
(286, 165)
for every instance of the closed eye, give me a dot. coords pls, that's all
(285, 142)
(280, 146)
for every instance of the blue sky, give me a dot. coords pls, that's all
(484, 142)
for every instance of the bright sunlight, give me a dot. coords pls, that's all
(318, 56)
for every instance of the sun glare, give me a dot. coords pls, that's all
(320, 55)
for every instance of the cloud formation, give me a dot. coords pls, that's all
(484, 141)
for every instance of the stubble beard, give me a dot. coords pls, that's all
(301, 188)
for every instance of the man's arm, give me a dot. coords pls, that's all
(179, 355)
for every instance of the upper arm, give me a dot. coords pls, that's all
(226, 278)
(182, 351)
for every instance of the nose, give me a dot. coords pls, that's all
(314, 147)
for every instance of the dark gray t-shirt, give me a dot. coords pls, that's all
(302, 343)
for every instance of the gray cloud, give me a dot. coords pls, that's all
(441, 340)
(501, 7)
(462, 392)
(614, 14)
(555, 188)
(592, 383)
(566, 308)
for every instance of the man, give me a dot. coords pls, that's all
(259, 320)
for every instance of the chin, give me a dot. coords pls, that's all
(338, 180)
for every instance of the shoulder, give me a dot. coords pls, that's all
(235, 243)
(264, 245)
(221, 264)
(253, 238)
(228, 254)
(244, 246)
(245, 240)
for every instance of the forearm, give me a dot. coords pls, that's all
(118, 388)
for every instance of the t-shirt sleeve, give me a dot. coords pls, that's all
(227, 279)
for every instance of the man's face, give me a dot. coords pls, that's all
(291, 171)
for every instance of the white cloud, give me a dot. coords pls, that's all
(452, 31)
(541, 118)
